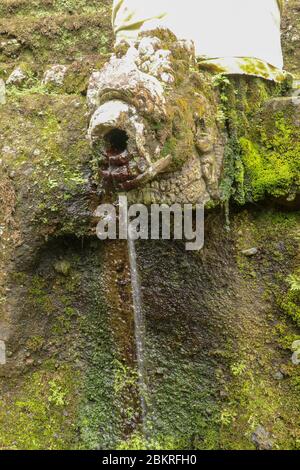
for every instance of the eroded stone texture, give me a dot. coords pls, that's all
(2, 353)
(55, 75)
(17, 77)
(2, 92)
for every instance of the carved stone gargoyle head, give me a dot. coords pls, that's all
(153, 123)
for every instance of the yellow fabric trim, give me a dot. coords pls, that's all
(128, 24)
(281, 5)
(243, 66)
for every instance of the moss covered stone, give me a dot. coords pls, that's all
(262, 151)
(59, 37)
(272, 159)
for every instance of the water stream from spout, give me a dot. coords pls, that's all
(139, 325)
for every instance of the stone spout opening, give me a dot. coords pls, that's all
(116, 142)
(116, 148)
(117, 169)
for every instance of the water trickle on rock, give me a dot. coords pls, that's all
(139, 326)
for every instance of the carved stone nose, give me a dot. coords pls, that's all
(109, 120)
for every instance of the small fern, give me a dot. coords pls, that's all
(294, 282)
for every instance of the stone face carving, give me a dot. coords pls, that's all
(154, 123)
(227, 33)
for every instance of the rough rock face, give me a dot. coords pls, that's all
(55, 75)
(2, 92)
(291, 36)
(17, 77)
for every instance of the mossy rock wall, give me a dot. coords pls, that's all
(262, 153)
(47, 32)
(218, 342)
(220, 324)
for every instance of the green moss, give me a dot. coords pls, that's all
(272, 166)
(252, 402)
(58, 310)
(253, 394)
(291, 301)
(39, 298)
(58, 37)
(100, 420)
(261, 155)
(139, 442)
(169, 148)
(35, 343)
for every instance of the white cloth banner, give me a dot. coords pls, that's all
(219, 28)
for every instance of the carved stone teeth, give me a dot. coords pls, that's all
(120, 174)
(119, 160)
